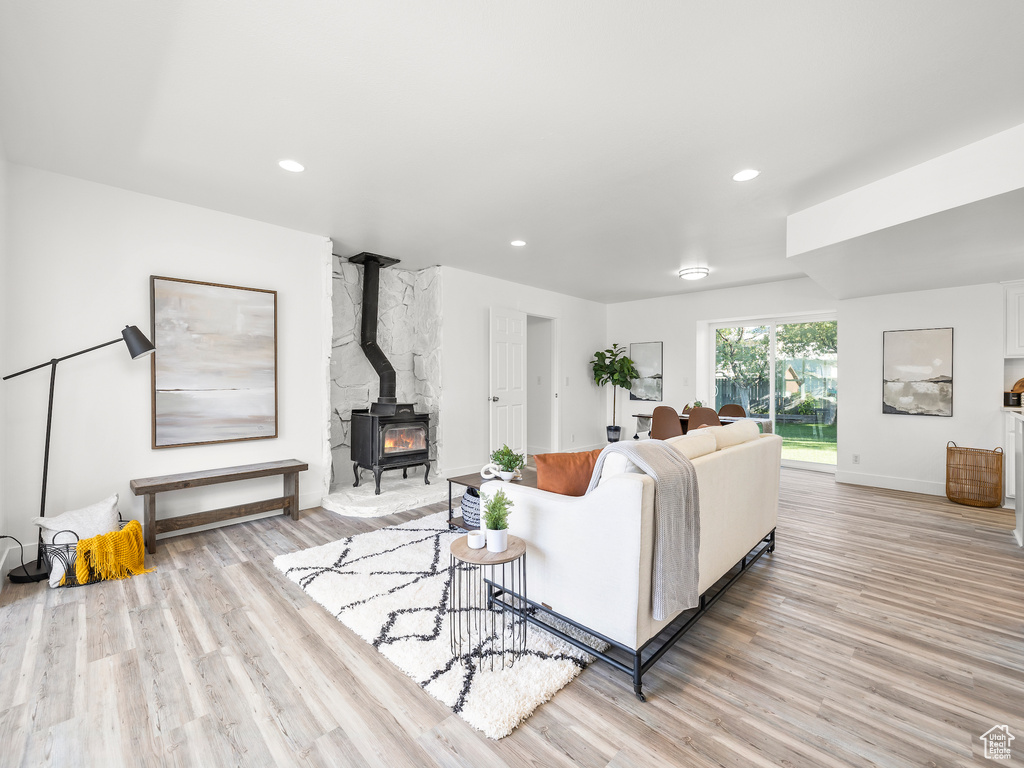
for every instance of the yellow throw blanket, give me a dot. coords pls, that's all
(116, 555)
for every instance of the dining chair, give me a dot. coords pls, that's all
(703, 417)
(732, 409)
(665, 423)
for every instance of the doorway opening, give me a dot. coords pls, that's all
(541, 395)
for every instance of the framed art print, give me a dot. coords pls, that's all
(647, 357)
(917, 372)
(215, 365)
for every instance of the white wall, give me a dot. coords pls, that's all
(901, 452)
(5, 544)
(78, 264)
(580, 330)
(539, 384)
(679, 321)
(909, 452)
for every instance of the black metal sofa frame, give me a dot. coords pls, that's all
(638, 665)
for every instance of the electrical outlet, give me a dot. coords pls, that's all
(572, 438)
(856, 458)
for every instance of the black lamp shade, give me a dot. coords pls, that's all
(138, 344)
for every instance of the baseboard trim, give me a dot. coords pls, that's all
(927, 487)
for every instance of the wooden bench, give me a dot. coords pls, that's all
(151, 486)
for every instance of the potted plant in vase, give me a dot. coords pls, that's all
(613, 367)
(496, 509)
(508, 462)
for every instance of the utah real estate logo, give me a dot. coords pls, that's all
(997, 742)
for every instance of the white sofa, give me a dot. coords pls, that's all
(589, 558)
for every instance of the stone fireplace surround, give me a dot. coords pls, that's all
(409, 333)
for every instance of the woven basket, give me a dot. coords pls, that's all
(471, 508)
(974, 476)
(66, 554)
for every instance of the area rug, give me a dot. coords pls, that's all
(391, 587)
(396, 495)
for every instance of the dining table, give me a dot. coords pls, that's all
(643, 422)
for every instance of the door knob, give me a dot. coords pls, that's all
(493, 399)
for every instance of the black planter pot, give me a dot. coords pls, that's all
(614, 433)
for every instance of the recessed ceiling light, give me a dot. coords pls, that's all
(291, 165)
(746, 175)
(518, 243)
(694, 273)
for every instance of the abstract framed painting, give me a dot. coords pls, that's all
(215, 366)
(917, 372)
(647, 357)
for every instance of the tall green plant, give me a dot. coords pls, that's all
(613, 367)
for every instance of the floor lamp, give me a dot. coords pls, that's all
(138, 346)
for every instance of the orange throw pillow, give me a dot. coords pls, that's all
(566, 473)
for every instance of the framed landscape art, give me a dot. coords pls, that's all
(215, 366)
(917, 372)
(647, 358)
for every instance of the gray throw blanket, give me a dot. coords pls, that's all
(676, 522)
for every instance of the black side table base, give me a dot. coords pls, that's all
(485, 622)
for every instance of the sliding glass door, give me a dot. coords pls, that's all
(788, 371)
(806, 388)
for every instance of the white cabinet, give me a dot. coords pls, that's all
(1014, 297)
(1010, 455)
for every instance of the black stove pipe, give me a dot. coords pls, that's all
(372, 264)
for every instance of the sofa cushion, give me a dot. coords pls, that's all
(736, 433)
(695, 445)
(566, 473)
(691, 446)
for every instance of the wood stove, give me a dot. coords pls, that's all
(388, 434)
(398, 441)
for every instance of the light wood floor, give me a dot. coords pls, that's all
(887, 629)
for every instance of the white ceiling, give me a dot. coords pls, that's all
(603, 132)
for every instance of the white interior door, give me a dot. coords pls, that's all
(508, 379)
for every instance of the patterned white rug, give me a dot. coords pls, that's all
(391, 587)
(396, 495)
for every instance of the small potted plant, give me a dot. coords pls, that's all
(508, 462)
(496, 509)
(613, 367)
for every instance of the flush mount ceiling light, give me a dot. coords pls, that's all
(291, 165)
(694, 273)
(518, 243)
(746, 175)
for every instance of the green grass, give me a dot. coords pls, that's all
(808, 442)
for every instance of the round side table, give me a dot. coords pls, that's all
(485, 613)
